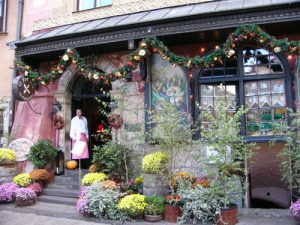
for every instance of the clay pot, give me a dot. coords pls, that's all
(172, 213)
(227, 216)
(152, 218)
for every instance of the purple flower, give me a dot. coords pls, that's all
(7, 192)
(83, 206)
(83, 191)
(295, 208)
(36, 187)
(130, 182)
(24, 194)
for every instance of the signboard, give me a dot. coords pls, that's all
(23, 89)
(21, 146)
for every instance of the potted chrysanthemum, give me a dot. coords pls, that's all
(295, 210)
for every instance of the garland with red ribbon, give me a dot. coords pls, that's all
(252, 33)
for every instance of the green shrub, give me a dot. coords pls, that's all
(22, 180)
(155, 205)
(134, 205)
(91, 178)
(41, 153)
(7, 155)
(103, 202)
(155, 163)
(112, 159)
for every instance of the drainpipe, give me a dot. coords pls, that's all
(18, 37)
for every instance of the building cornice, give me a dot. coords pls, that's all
(161, 28)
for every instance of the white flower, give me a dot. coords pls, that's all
(142, 52)
(96, 76)
(65, 57)
(277, 49)
(231, 52)
(26, 72)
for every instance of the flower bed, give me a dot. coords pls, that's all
(22, 180)
(7, 192)
(25, 197)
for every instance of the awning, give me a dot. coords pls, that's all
(136, 24)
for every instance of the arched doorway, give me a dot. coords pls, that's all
(84, 96)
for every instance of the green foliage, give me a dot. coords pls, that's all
(41, 153)
(290, 154)
(22, 180)
(7, 155)
(112, 159)
(231, 152)
(155, 163)
(155, 205)
(133, 205)
(199, 202)
(172, 132)
(104, 202)
(91, 178)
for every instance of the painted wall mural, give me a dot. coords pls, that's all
(169, 84)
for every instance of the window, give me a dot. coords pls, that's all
(257, 79)
(2, 15)
(90, 4)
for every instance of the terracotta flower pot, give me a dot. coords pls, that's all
(228, 216)
(172, 213)
(152, 218)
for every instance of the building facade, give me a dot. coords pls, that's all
(106, 32)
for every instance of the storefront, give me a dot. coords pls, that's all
(256, 77)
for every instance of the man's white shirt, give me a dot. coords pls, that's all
(78, 126)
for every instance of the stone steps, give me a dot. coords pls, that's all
(61, 192)
(58, 200)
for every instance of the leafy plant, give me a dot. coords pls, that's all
(7, 155)
(36, 187)
(112, 159)
(185, 176)
(41, 153)
(39, 174)
(295, 208)
(155, 205)
(199, 202)
(172, 199)
(133, 205)
(155, 163)
(25, 194)
(22, 180)
(91, 178)
(7, 192)
(289, 155)
(230, 152)
(103, 202)
(171, 130)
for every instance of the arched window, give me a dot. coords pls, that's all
(255, 78)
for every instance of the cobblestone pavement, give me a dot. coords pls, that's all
(8, 217)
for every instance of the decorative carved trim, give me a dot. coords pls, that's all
(119, 7)
(184, 25)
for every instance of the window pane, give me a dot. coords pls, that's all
(227, 68)
(1, 8)
(260, 61)
(267, 103)
(86, 4)
(103, 3)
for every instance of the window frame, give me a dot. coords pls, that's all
(94, 7)
(240, 80)
(3, 17)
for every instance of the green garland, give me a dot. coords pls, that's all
(252, 33)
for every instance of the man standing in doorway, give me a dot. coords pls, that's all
(79, 132)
